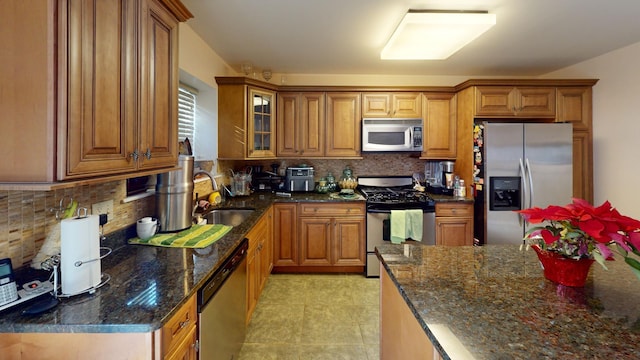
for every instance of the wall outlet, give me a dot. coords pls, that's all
(105, 207)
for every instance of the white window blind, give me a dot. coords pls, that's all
(187, 113)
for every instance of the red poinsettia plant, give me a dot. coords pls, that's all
(581, 230)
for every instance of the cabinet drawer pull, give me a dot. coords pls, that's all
(183, 324)
(134, 155)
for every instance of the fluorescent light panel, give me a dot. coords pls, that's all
(435, 35)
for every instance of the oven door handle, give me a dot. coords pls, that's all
(378, 211)
(387, 211)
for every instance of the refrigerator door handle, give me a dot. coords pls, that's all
(530, 177)
(524, 192)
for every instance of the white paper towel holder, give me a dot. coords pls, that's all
(88, 260)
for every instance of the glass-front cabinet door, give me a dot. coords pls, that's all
(261, 117)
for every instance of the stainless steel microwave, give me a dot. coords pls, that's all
(391, 135)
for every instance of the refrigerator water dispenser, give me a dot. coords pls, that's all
(504, 193)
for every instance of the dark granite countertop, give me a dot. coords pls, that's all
(447, 198)
(164, 277)
(493, 302)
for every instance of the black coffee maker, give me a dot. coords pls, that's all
(267, 180)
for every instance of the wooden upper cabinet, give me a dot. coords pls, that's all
(343, 124)
(261, 119)
(105, 81)
(158, 143)
(246, 119)
(101, 92)
(301, 124)
(439, 122)
(509, 101)
(394, 105)
(574, 106)
(288, 124)
(116, 123)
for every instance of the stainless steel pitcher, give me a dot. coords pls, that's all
(174, 196)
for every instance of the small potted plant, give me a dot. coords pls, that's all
(581, 233)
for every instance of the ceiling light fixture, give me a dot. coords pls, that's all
(435, 34)
(246, 68)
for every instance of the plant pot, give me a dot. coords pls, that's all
(562, 270)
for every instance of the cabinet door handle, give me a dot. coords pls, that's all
(134, 155)
(147, 154)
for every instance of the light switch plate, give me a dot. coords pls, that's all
(104, 207)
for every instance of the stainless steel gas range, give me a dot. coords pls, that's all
(386, 193)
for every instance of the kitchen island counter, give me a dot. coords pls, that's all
(492, 302)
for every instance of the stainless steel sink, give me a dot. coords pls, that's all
(233, 217)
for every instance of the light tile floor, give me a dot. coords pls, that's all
(315, 317)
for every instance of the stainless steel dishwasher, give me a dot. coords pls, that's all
(222, 308)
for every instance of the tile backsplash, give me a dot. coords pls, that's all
(28, 217)
(371, 164)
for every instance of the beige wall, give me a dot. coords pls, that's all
(197, 58)
(616, 125)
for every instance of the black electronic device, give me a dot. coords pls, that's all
(8, 287)
(10, 295)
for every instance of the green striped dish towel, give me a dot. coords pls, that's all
(197, 236)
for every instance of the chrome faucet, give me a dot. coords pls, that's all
(214, 184)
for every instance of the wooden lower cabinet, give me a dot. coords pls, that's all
(454, 223)
(179, 334)
(285, 230)
(187, 349)
(349, 245)
(315, 241)
(401, 336)
(259, 259)
(329, 237)
(332, 234)
(176, 340)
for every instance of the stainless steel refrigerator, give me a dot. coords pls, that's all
(519, 165)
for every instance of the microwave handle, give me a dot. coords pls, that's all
(411, 136)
